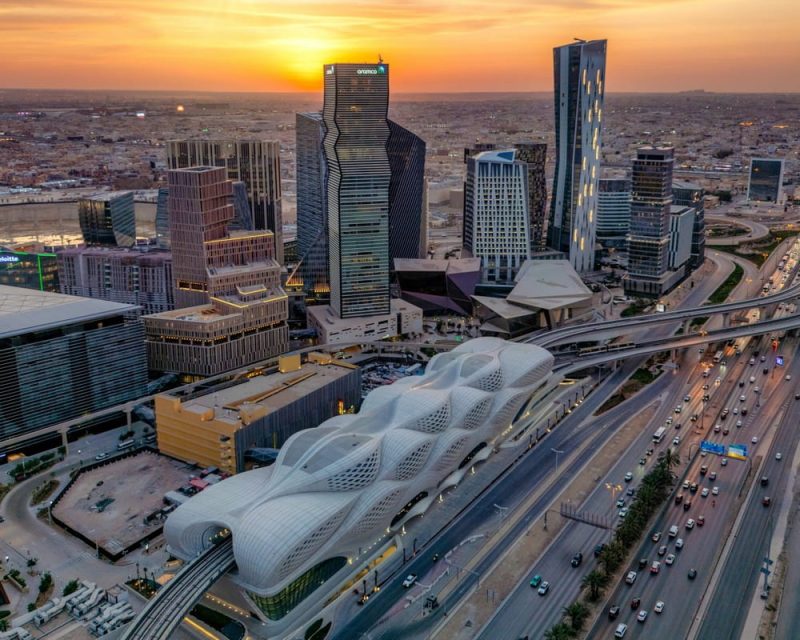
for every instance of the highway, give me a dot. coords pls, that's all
(165, 610)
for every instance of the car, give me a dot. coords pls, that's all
(669, 420)
(679, 498)
(690, 523)
(706, 397)
(718, 382)
(763, 358)
(797, 396)
(754, 439)
(765, 370)
(631, 491)
(659, 606)
(687, 398)
(676, 440)
(752, 379)
(685, 485)
(705, 387)
(742, 398)
(599, 549)
(576, 559)
(543, 588)
(435, 557)
(766, 501)
(643, 461)
(788, 376)
(643, 562)
(669, 559)
(726, 431)
(642, 615)
(701, 520)
(678, 425)
(613, 611)
(623, 512)
(620, 503)
(756, 390)
(724, 462)
(778, 455)
(739, 423)
(706, 373)
(536, 581)
(743, 411)
(662, 550)
(752, 361)
(679, 544)
(635, 602)
(629, 476)
(704, 470)
(764, 481)
(631, 577)
(687, 505)
(693, 418)
(692, 574)
(655, 567)
(736, 410)
(656, 536)
(621, 629)
(704, 492)
(741, 383)
(693, 487)
(715, 491)
(712, 476)
(717, 428)
(411, 578)
(673, 531)
(678, 409)
(101, 456)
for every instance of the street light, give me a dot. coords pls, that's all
(614, 489)
(557, 452)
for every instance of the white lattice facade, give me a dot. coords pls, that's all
(305, 524)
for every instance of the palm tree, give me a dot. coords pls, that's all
(577, 613)
(594, 581)
(560, 631)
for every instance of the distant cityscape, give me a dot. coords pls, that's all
(320, 366)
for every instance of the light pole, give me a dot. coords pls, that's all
(614, 489)
(557, 452)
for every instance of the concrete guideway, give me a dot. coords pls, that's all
(756, 230)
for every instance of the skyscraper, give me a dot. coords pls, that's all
(254, 162)
(579, 87)
(312, 206)
(613, 212)
(407, 215)
(652, 269)
(229, 281)
(496, 216)
(765, 183)
(108, 219)
(688, 194)
(162, 218)
(356, 102)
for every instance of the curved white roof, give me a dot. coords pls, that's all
(337, 489)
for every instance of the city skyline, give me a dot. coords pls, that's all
(259, 46)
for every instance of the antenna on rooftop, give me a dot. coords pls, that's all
(581, 40)
(380, 59)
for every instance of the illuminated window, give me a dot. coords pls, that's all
(589, 87)
(584, 77)
(574, 235)
(591, 215)
(582, 242)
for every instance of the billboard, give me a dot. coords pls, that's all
(712, 447)
(737, 451)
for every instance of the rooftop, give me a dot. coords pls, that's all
(106, 196)
(28, 310)
(548, 284)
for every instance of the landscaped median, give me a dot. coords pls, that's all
(653, 491)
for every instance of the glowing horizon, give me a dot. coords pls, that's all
(432, 46)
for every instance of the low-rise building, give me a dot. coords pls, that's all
(220, 425)
(404, 318)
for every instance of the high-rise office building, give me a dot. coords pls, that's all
(232, 310)
(765, 183)
(356, 102)
(496, 216)
(580, 70)
(254, 162)
(408, 220)
(312, 207)
(29, 270)
(162, 218)
(688, 194)
(653, 269)
(62, 357)
(613, 212)
(142, 278)
(108, 219)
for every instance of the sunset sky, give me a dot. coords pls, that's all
(432, 45)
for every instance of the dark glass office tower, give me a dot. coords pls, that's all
(766, 180)
(108, 220)
(687, 194)
(312, 206)
(356, 136)
(407, 217)
(579, 70)
(162, 218)
(613, 212)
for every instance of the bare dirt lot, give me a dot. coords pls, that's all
(109, 504)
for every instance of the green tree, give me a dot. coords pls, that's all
(595, 581)
(577, 613)
(70, 587)
(560, 631)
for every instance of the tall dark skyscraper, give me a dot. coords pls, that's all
(580, 70)
(108, 220)
(408, 221)
(765, 183)
(312, 206)
(613, 212)
(256, 163)
(356, 136)
(687, 194)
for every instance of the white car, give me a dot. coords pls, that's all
(739, 423)
(736, 410)
(715, 491)
(704, 492)
(673, 531)
(642, 615)
(621, 503)
(778, 455)
(752, 379)
(631, 577)
(543, 588)
(754, 439)
(679, 544)
(742, 398)
(101, 456)
(676, 440)
(752, 361)
(628, 476)
(669, 559)
(724, 462)
(690, 523)
(659, 606)
(788, 376)
(623, 512)
(756, 390)
(717, 428)
(410, 580)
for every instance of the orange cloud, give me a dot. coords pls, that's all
(433, 45)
